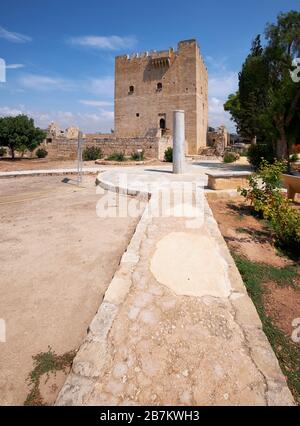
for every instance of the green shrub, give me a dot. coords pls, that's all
(169, 154)
(244, 153)
(259, 152)
(2, 151)
(41, 153)
(138, 156)
(294, 158)
(267, 199)
(230, 157)
(285, 221)
(116, 156)
(92, 153)
(264, 184)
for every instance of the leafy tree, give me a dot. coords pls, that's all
(284, 94)
(253, 84)
(246, 103)
(233, 106)
(19, 133)
(267, 104)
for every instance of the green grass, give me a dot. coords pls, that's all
(45, 363)
(288, 353)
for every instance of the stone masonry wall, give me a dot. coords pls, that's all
(66, 149)
(150, 86)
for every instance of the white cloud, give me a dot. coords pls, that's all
(14, 66)
(13, 37)
(102, 121)
(217, 116)
(222, 82)
(104, 42)
(8, 111)
(221, 85)
(100, 104)
(101, 86)
(45, 83)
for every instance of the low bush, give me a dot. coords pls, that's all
(230, 157)
(116, 156)
(267, 199)
(41, 153)
(264, 184)
(92, 153)
(294, 158)
(285, 221)
(169, 154)
(2, 151)
(244, 153)
(259, 152)
(138, 156)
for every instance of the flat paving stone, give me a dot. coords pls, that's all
(186, 332)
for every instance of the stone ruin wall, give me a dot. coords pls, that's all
(66, 149)
(218, 140)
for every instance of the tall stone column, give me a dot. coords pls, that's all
(178, 142)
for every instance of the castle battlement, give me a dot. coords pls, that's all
(157, 54)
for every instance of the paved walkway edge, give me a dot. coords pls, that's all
(47, 172)
(90, 359)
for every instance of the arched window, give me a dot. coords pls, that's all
(131, 89)
(159, 87)
(162, 123)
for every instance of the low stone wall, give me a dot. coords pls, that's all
(66, 149)
(234, 180)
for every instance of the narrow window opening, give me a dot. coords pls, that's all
(159, 87)
(162, 124)
(131, 89)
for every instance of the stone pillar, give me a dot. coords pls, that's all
(178, 142)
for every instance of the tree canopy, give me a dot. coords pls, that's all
(19, 133)
(267, 104)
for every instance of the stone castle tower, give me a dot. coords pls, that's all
(150, 86)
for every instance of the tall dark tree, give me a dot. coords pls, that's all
(19, 133)
(268, 99)
(253, 85)
(284, 93)
(250, 99)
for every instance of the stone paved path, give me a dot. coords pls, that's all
(176, 326)
(48, 172)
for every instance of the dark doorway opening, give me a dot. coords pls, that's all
(162, 124)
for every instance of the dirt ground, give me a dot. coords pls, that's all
(249, 237)
(244, 233)
(57, 258)
(283, 305)
(7, 165)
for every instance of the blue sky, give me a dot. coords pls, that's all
(60, 54)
